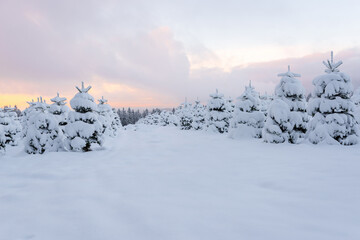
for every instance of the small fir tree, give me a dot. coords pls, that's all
(333, 119)
(291, 91)
(218, 115)
(199, 116)
(59, 110)
(43, 133)
(83, 128)
(248, 118)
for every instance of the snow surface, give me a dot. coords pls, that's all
(162, 183)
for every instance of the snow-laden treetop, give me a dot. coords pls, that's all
(102, 100)
(331, 66)
(83, 89)
(287, 74)
(217, 94)
(58, 100)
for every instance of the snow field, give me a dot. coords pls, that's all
(164, 183)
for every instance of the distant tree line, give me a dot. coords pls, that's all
(131, 116)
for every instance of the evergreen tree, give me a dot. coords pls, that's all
(43, 133)
(116, 123)
(11, 125)
(333, 119)
(218, 116)
(291, 91)
(248, 118)
(106, 117)
(83, 128)
(59, 110)
(185, 116)
(199, 116)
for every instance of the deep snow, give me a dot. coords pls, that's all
(163, 183)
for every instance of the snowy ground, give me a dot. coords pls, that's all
(163, 183)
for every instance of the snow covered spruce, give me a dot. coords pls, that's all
(110, 122)
(199, 116)
(43, 133)
(332, 110)
(83, 128)
(218, 114)
(288, 124)
(248, 119)
(59, 110)
(11, 125)
(185, 115)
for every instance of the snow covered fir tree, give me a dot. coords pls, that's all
(199, 116)
(107, 118)
(291, 91)
(248, 119)
(185, 116)
(218, 114)
(43, 133)
(59, 110)
(332, 110)
(11, 125)
(83, 128)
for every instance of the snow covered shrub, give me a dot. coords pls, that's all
(291, 91)
(83, 128)
(248, 120)
(43, 133)
(277, 124)
(332, 109)
(185, 116)
(11, 126)
(116, 122)
(218, 115)
(106, 117)
(199, 115)
(59, 110)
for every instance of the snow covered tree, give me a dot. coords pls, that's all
(12, 126)
(218, 115)
(333, 119)
(248, 119)
(106, 117)
(59, 110)
(185, 116)
(83, 128)
(199, 116)
(277, 125)
(291, 91)
(43, 133)
(115, 123)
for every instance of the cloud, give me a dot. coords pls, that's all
(48, 47)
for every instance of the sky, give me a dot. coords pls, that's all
(155, 53)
